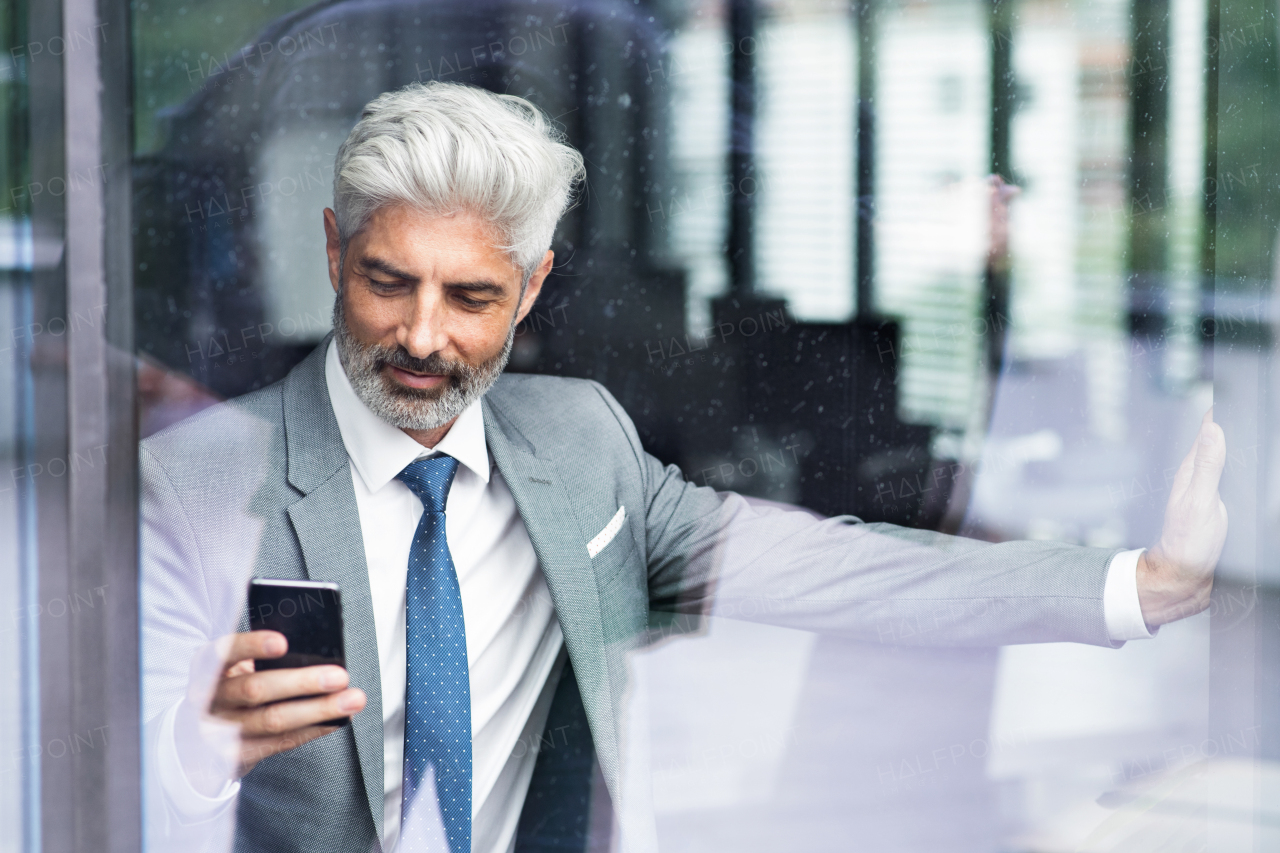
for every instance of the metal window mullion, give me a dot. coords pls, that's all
(89, 659)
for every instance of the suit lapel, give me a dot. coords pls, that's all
(326, 521)
(546, 509)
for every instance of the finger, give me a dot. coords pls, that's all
(229, 655)
(284, 717)
(273, 685)
(1182, 478)
(234, 648)
(1211, 456)
(244, 667)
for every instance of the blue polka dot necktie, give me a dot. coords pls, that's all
(437, 727)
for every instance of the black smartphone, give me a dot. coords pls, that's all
(309, 614)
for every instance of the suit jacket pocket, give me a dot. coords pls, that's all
(610, 561)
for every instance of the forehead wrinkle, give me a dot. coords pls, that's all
(399, 228)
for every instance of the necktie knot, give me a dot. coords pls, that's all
(430, 480)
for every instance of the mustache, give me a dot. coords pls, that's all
(434, 363)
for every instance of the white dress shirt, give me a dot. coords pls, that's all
(513, 639)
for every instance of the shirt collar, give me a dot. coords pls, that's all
(380, 451)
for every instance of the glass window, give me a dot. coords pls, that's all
(901, 317)
(947, 265)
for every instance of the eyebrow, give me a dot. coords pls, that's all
(483, 285)
(480, 286)
(369, 262)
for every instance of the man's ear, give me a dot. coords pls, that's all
(333, 247)
(534, 287)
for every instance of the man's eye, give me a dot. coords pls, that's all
(472, 303)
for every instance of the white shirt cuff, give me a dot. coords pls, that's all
(1120, 605)
(181, 794)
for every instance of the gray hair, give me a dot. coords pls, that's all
(446, 148)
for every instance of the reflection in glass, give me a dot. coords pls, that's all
(867, 323)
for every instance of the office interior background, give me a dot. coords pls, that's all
(977, 266)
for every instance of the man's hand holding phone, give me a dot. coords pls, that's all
(267, 690)
(273, 711)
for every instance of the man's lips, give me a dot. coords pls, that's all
(415, 380)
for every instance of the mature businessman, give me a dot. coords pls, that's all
(499, 540)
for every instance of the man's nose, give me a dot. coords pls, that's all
(423, 331)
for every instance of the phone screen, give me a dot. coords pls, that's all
(308, 613)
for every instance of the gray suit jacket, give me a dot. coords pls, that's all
(261, 485)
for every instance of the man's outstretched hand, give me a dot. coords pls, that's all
(1175, 576)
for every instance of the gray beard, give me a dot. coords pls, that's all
(413, 408)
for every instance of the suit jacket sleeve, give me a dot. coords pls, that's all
(177, 624)
(175, 602)
(717, 553)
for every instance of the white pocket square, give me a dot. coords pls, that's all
(604, 537)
